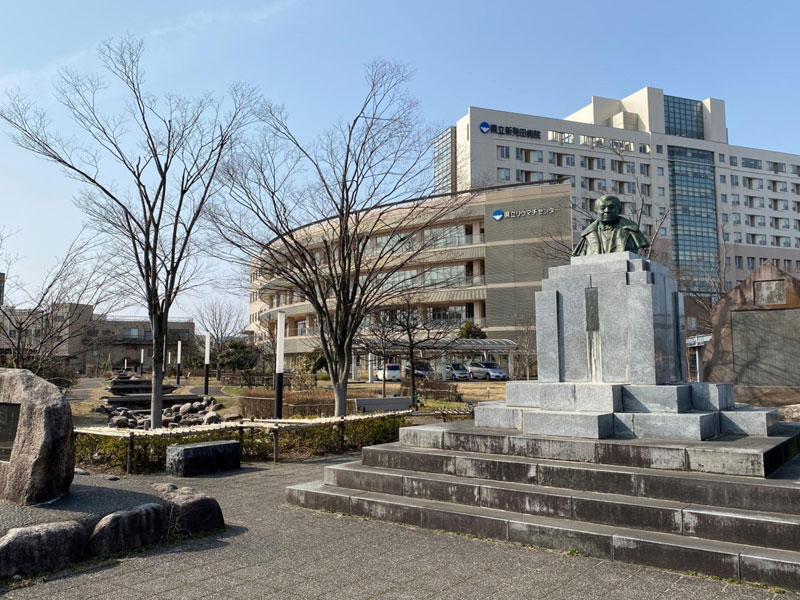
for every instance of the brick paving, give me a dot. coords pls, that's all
(272, 550)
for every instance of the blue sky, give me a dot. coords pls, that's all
(545, 58)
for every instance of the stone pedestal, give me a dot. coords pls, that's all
(611, 352)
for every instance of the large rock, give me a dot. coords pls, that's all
(42, 460)
(191, 511)
(41, 548)
(126, 530)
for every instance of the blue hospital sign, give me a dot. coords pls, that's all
(485, 127)
(498, 215)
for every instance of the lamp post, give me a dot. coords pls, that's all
(208, 360)
(141, 364)
(279, 365)
(125, 367)
(178, 382)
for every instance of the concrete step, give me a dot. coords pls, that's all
(727, 492)
(671, 551)
(725, 454)
(756, 528)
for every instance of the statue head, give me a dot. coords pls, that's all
(607, 209)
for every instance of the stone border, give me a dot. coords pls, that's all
(51, 546)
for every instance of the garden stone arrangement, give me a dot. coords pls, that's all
(611, 453)
(202, 411)
(37, 465)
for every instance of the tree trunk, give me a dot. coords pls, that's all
(157, 398)
(340, 395)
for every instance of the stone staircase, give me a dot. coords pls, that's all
(728, 507)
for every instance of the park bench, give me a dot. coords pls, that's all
(368, 405)
(186, 460)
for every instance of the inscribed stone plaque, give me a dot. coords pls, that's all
(9, 418)
(769, 292)
(765, 347)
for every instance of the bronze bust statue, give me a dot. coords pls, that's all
(610, 232)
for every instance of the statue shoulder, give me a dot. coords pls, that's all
(628, 224)
(590, 228)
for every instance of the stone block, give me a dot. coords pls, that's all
(599, 259)
(430, 487)
(393, 456)
(644, 456)
(497, 414)
(496, 469)
(547, 342)
(712, 396)
(422, 436)
(566, 271)
(640, 278)
(656, 398)
(707, 460)
(552, 448)
(394, 510)
(523, 394)
(547, 503)
(316, 496)
(623, 425)
(598, 397)
(586, 538)
(573, 352)
(676, 426)
(463, 519)
(622, 511)
(41, 463)
(593, 425)
(485, 443)
(640, 355)
(126, 530)
(679, 553)
(606, 480)
(746, 527)
(772, 567)
(41, 547)
(188, 460)
(557, 396)
(190, 511)
(748, 421)
(355, 477)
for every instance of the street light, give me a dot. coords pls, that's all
(178, 382)
(141, 364)
(279, 365)
(208, 360)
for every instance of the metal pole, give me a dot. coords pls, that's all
(208, 359)
(697, 363)
(129, 466)
(178, 382)
(281, 327)
(275, 446)
(141, 364)
(371, 361)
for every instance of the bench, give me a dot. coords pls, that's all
(368, 405)
(187, 460)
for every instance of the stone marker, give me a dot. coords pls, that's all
(41, 547)
(191, 511)
(36, 429)
(124, 530)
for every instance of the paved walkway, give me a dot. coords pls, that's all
(272, 550)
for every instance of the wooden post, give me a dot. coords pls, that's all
(129, 466)
(275, 445)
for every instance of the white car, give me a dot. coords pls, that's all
(456, 371)
(486, 370)
(392, 373)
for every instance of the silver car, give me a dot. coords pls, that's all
(486, 370)
(456, 372)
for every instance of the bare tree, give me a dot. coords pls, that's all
(408, 328)
(525, 337)
(223, 319)
(331, 222)
(41, 323)
(169, 152)
(266, 341)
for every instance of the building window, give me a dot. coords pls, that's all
(662, 231)
(733, 161)
(659, 149)
(503, 174)
(644, 169)
(723, 198)
(644, 148)
(503, 152)
(734, 199)
(724, 217)
(734, 180)
(561, 137)
(722, 178)
(751, 163)
(691, 323)
(738, 262)
(683, 117)
(660, 171)
(722, 158)
(776, 167)
(661, 191)
(751, 262)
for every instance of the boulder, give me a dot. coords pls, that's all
(197, 406)
(233, 417)
(191, 511)
(177, 418)
(41, 547)
(176, 407)
(120, 422)
(40, 468)
(789, 413)
(185, 409)
(125, 530)
(211, 418)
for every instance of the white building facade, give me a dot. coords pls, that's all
(721, 210)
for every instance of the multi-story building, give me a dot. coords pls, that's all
(85, 341)
(719, 210)
(484, 266)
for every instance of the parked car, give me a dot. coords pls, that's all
(392, 373)
(486, 370)
(421, 369)
(456, 371)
